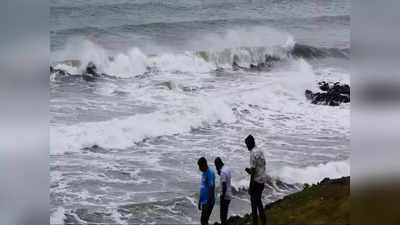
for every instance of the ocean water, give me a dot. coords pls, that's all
(172, 97)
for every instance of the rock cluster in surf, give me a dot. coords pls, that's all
(90, 73)
(263, 66)
(333, 94)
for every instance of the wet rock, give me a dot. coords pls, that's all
(90, 73)
(219, 69)
(266, 65)
(332, 95)
(95, 149)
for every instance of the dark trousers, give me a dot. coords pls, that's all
(256, 203)
(205, 214)
(224, 211)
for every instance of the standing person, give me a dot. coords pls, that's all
(257, 179)
(207, 187)
(226, 190)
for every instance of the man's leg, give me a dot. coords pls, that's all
(221, 211)
(253, 201)
(209, 211)
(204, 218)
(260, 188)
(224, 211)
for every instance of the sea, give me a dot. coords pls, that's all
(124, 147)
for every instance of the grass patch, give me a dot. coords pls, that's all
(327, 203)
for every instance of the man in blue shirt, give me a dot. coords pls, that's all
(207, 187)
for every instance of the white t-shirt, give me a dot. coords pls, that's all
(226, 178)
(257, 161)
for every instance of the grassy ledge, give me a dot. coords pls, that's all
(326, 203)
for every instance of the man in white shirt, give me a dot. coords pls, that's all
(226, 190)
(257, 179)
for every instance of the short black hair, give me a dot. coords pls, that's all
(202, 162)
(250, 141)
(218, 161)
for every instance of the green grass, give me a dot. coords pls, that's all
(325, 203)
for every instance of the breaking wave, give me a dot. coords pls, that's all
(135, 62)
(313, 174)
(125, 132)
(306, 51)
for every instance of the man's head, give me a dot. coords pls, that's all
(250, 143)
(218, 164)
(202, 162)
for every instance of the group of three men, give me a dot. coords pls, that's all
(256, 187)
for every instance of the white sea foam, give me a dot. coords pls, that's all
(313, 174)
(124, 132)
(183, 62)
(205, 53)
(243, 37)
(57, 217)
(69, 68)
(128, 63)
(116, 216)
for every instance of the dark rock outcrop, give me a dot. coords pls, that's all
(95, 149)
(90, 73)
(332, 94)
(266, 65)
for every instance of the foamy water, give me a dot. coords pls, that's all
(166, 104)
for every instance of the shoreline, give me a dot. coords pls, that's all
(327, 202)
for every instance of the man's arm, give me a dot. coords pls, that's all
(251, 172)
(199, 203)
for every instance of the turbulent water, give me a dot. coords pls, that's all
(172, 97)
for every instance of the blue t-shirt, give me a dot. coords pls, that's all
(207, 182)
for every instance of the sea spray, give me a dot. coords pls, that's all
(204, 53)
(313, 174)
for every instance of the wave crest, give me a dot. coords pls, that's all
(313, 174)
(135, 62)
